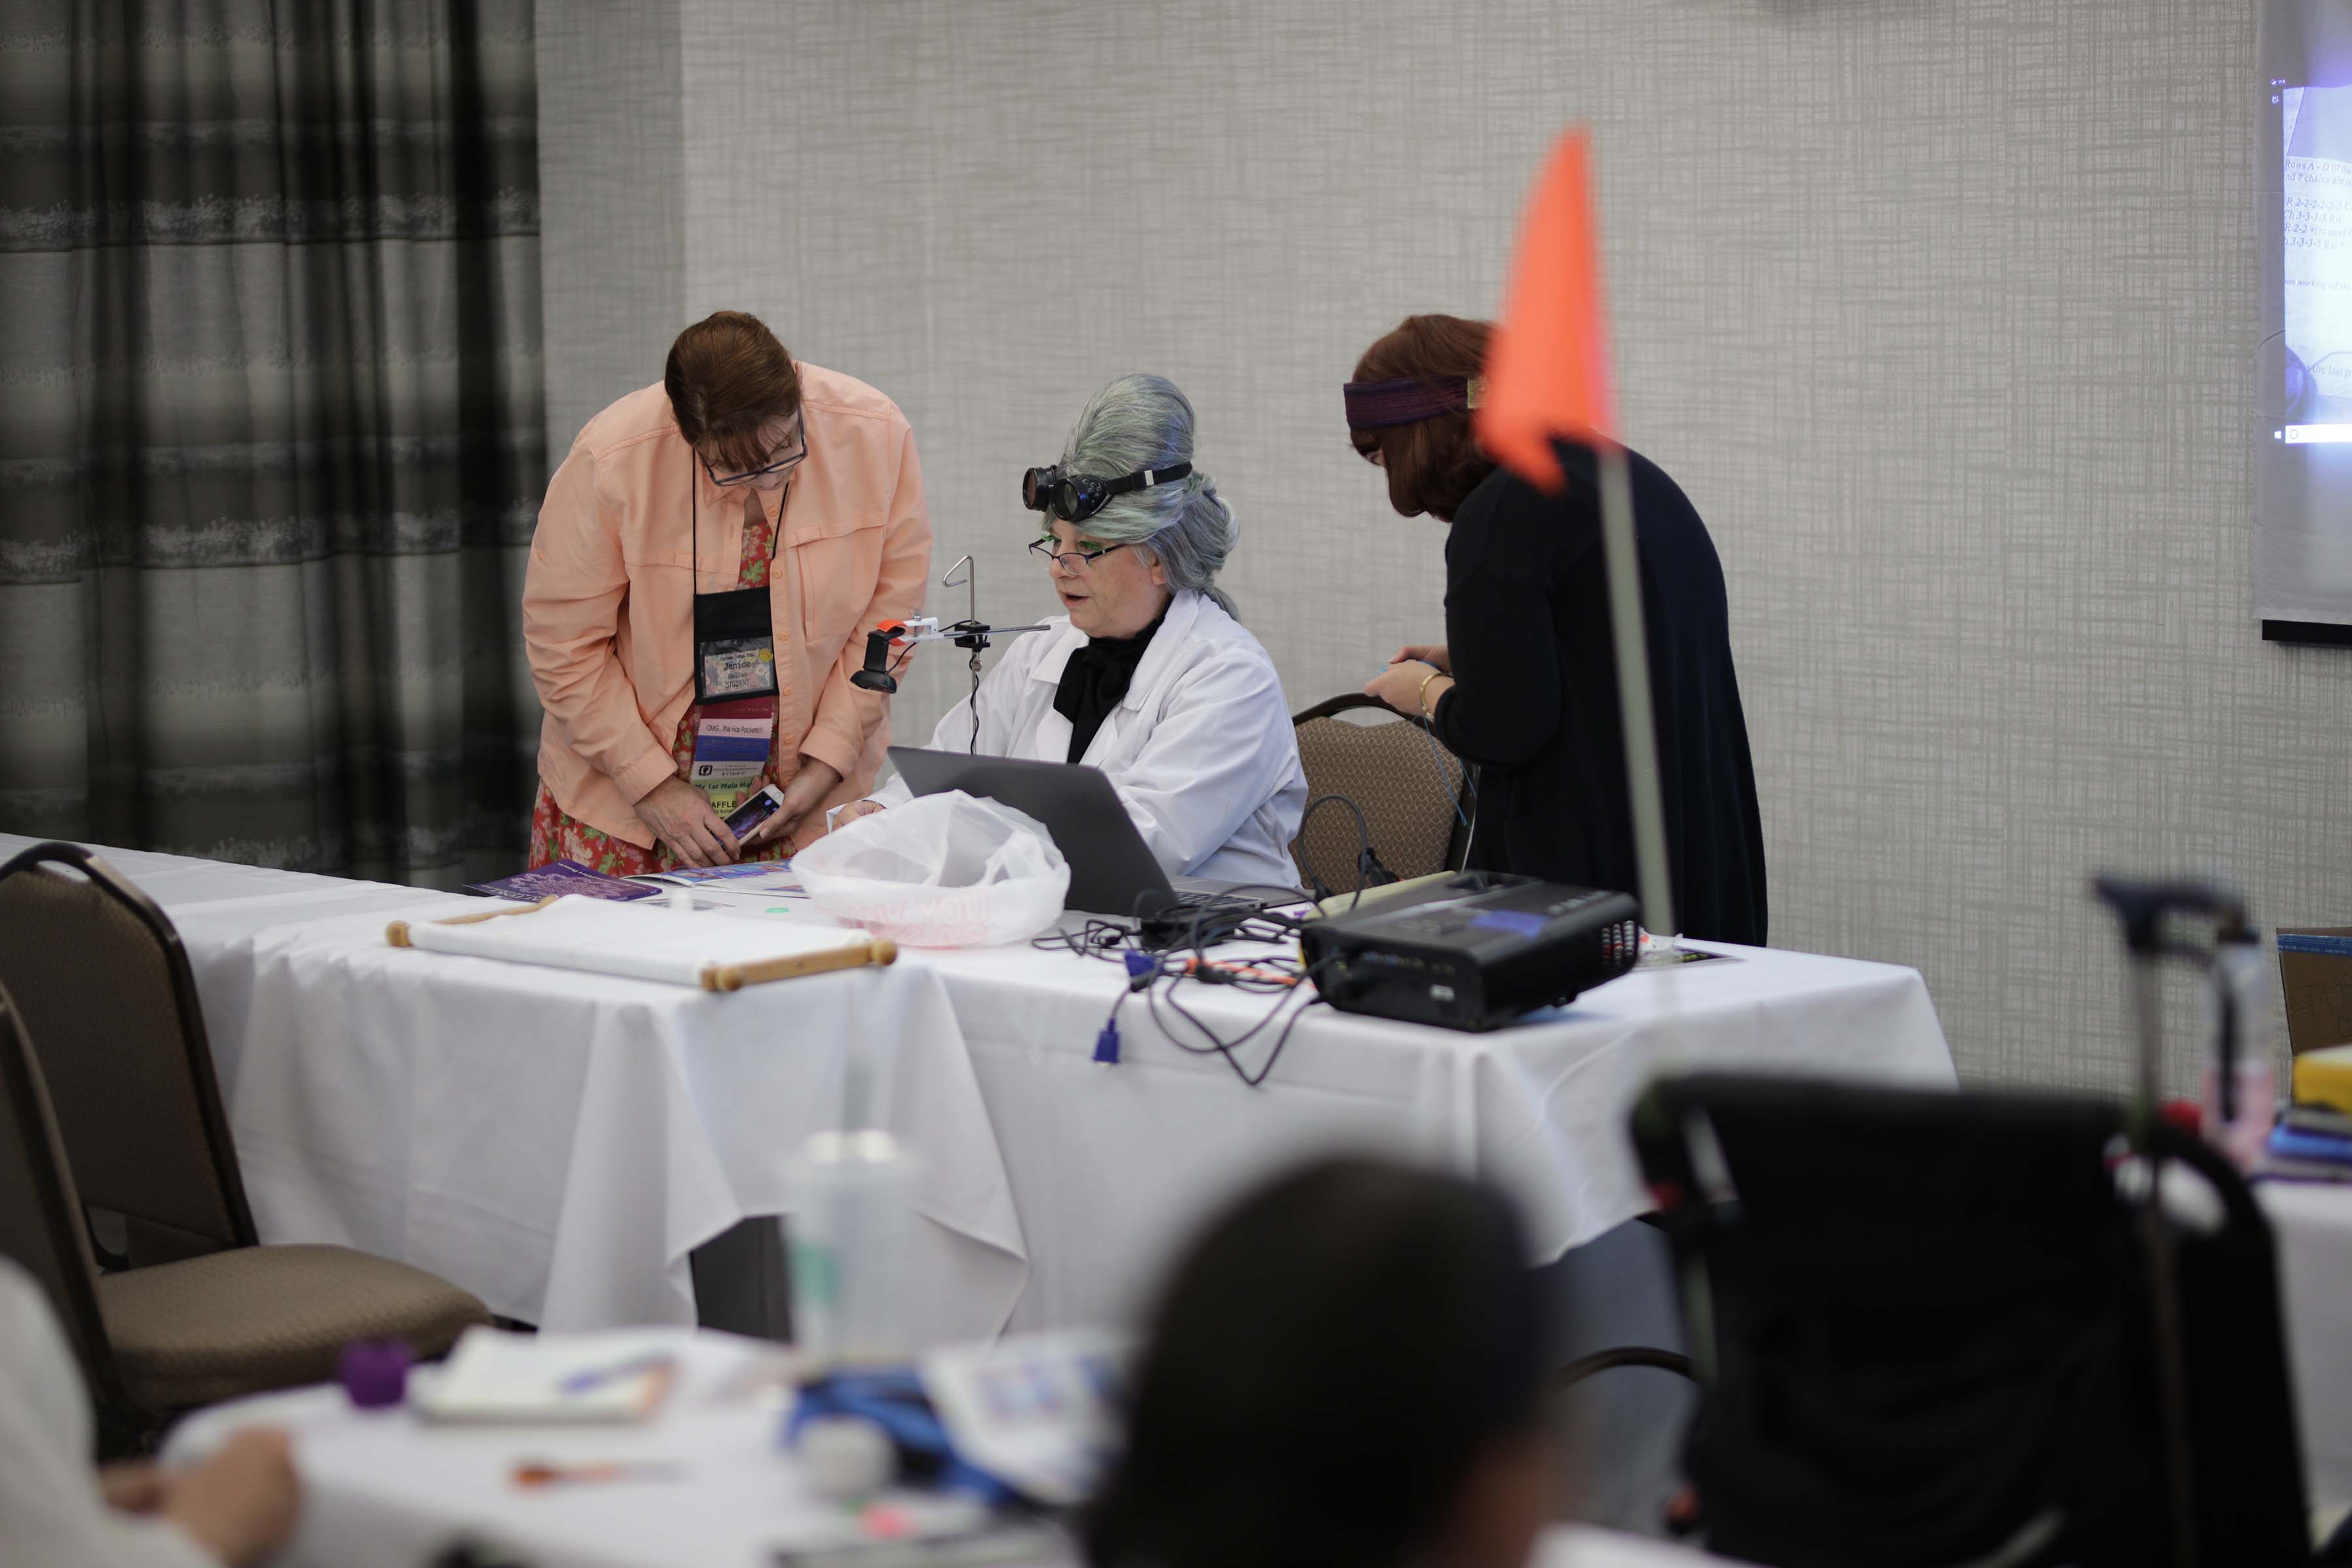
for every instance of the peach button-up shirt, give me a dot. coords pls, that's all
(608, 599)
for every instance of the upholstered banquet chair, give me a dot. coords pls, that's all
(40, 1217)
(1412, 791)
(110, 1081)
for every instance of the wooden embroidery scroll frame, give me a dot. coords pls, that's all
(714, 976)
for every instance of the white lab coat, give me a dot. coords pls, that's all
(50, 1507)
(1201, 750)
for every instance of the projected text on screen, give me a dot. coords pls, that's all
(2317, 217)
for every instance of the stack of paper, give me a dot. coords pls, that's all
(496, 1376)
(1041, 1411)
(749, 876)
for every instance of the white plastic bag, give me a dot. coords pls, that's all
(942, 870)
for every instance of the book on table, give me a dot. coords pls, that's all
(558, 878)
(556, 1379)
(767, 878)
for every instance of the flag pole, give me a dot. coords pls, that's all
(1547, 378)
(1621, 551)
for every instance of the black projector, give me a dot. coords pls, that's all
(1473, 952)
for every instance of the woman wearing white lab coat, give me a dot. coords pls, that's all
(1147, 676)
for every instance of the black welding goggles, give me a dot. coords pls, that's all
(1073, 498)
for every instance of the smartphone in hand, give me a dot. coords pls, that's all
(754, 811)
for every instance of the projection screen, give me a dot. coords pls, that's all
(2303, 459)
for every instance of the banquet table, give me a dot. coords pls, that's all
(385, 1487)
(2311, 1225)
(1111, 1165)
(560, 1144)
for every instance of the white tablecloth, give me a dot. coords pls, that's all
(558, 1143)
(1111, 1165)
(385, 1489)
(2312, 1226)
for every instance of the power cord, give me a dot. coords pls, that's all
(1096, 939)
(1370, 872)
(1226, 1049)
(1453, 794)
(1156, 975)
(973, 749)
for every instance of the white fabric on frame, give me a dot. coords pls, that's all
(644, 940)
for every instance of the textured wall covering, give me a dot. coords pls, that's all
(613, 178)
(1940, 311)
(269, 429)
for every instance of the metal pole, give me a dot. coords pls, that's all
(1618, 549)
(2163, 1272)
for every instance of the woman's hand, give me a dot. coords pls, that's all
(1401, 687)
(135, 1486)
(681, 817)
(239, 1504)
(1431, 654)
(853, 810)
(811, 785)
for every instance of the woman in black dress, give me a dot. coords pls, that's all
(1526, 683)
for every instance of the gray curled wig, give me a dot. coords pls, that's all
(1142, 422)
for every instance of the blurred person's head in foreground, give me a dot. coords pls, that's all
(1343, 1370)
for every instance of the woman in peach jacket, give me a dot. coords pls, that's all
(705, 564)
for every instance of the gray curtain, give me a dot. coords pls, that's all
(270, 429)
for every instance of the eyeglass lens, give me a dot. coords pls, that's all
(1074, 560)
(788, 453)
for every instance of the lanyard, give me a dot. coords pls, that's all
(734, 635)
(694, 511)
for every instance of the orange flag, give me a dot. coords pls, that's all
(1548, 365)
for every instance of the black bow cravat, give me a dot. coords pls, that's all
(1094, 681)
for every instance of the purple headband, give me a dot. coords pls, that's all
(1409, 399)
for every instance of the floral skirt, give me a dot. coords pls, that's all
(557, 836)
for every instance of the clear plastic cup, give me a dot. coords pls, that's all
(851, 1225)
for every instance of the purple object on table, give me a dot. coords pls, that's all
(560, 876)
(375, 1372)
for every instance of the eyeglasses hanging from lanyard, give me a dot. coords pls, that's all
(735, 631)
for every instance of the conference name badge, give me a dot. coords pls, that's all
(739, 667)
(734, 647)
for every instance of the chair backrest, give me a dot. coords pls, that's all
(104, 990)
(1409, 787)
(1924, 1330)
(41, 1225)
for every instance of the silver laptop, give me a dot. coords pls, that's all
(1112, 871)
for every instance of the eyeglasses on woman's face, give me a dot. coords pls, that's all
(1080, 556)
(786, 456)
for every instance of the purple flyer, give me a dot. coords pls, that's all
(560, 876)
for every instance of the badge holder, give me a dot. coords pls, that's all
(735, 688)
(734, 647)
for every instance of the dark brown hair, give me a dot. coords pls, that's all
(1433, 464)
(1325, 1370)
(727, 376)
